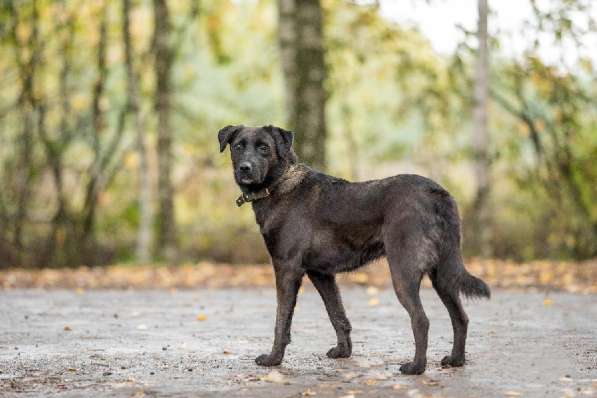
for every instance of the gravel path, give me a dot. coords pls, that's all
(202, 343)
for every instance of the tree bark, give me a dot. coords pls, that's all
(56, 251)
(300, 34)
(166, 244)
(145, 231)
(481, 228)
(98, 121)
(27, 69)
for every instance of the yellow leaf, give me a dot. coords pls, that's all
(372, 291)
(201, 317)
(360, 277)
(373, 301)
(274, 377)
(547, 302)
(131, 160)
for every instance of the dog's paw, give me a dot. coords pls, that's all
(267, 360)
(339, 351)
(412, 368)
(449, 361)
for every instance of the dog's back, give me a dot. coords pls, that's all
(346, 222)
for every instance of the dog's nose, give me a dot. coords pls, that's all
(245, 166)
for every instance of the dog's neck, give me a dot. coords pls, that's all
(285, 182)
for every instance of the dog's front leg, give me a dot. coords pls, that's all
(328, 289)
(288, 282)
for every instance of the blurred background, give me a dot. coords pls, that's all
(109, 112)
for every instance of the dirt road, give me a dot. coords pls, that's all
(202, 343)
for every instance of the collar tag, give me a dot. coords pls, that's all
(251, 197)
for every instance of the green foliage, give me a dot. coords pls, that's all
(394, 106)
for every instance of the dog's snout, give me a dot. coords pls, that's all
(245, 166)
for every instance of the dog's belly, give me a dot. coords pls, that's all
(331, 252)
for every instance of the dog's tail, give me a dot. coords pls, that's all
(453, 277)
(451, 273)
(470, 285)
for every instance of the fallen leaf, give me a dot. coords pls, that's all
(371, 382)
(359, 277)
(372, 291)
(350, 375)
(274, 377)
(547, 302)
(138, 394)
(512, 394)
(373, 301)
(226, 352)
(67, 328)
(308, 393)
(201, 317)
(430, 382)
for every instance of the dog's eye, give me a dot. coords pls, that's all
(238, 147)
(263, 148)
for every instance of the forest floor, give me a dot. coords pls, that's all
(544, 276)
(202, 342)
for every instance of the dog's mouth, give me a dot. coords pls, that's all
(248, 178)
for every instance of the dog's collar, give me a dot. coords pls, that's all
(251, 197)
(283, 184)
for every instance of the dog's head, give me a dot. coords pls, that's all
(259, 154)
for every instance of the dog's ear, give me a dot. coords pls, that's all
(227, 134)
(283, 138)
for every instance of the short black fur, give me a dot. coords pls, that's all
(320, 225)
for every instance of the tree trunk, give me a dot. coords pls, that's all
(98, 121)
(351, 143)
(28, 106)
(481, 228)
(302, 54)
(166, 239)
(145, 231)
(55, 251)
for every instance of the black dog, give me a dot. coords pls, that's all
(320, 225)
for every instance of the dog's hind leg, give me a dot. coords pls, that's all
(328, 289)
(407, 272)
(451, 300)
